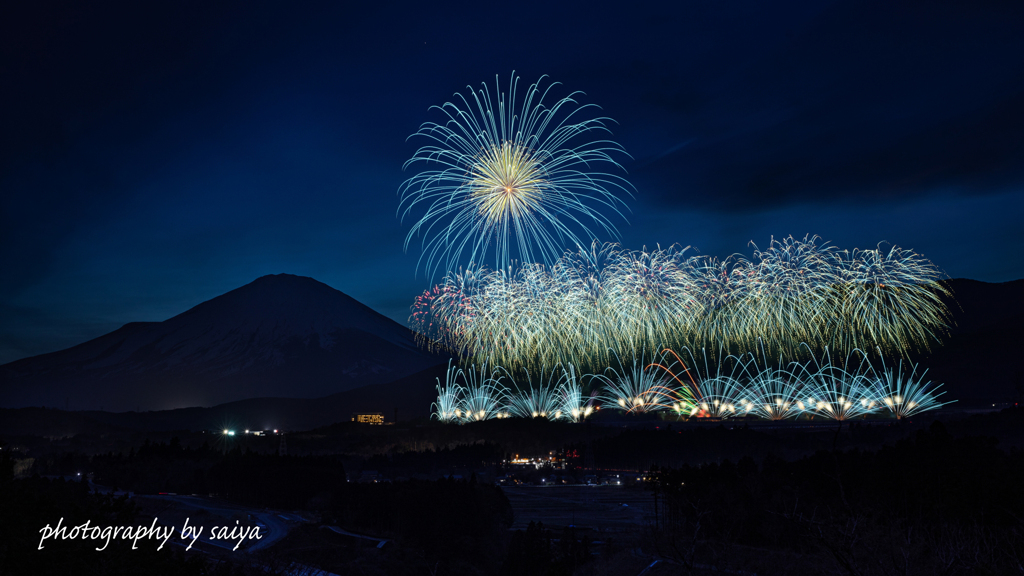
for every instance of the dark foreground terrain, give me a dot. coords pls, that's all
(936, 495)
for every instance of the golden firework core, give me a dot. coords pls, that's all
(506, 182)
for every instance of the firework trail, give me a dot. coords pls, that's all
(636, 388)
(447, 408)
(542, 400)
(478, 393)
(706, 387)
(838, 392)
(694, 386)
(574, 406)
(513, 177)
(469, 394)
(905, 394)
(769, 391)
(592, 306)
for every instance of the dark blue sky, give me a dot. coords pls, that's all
(154, 158)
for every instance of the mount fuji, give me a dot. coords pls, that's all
(279, 336)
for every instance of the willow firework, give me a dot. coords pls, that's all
(592, 306)
(513, 177)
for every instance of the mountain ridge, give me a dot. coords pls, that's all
(280, 335)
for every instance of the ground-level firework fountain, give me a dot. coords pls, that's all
(693, 386)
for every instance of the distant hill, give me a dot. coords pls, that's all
(411, 396)
(281, 336)
(980, 360)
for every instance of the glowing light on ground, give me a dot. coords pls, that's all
(692, 385)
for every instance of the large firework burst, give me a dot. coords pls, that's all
(514, 178)
(595, 305)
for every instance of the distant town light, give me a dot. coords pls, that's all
(376, 418)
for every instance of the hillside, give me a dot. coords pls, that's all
(280, 336)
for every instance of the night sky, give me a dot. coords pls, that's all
(155, 158)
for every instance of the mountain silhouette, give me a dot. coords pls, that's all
(279, 336)
(977, 360)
